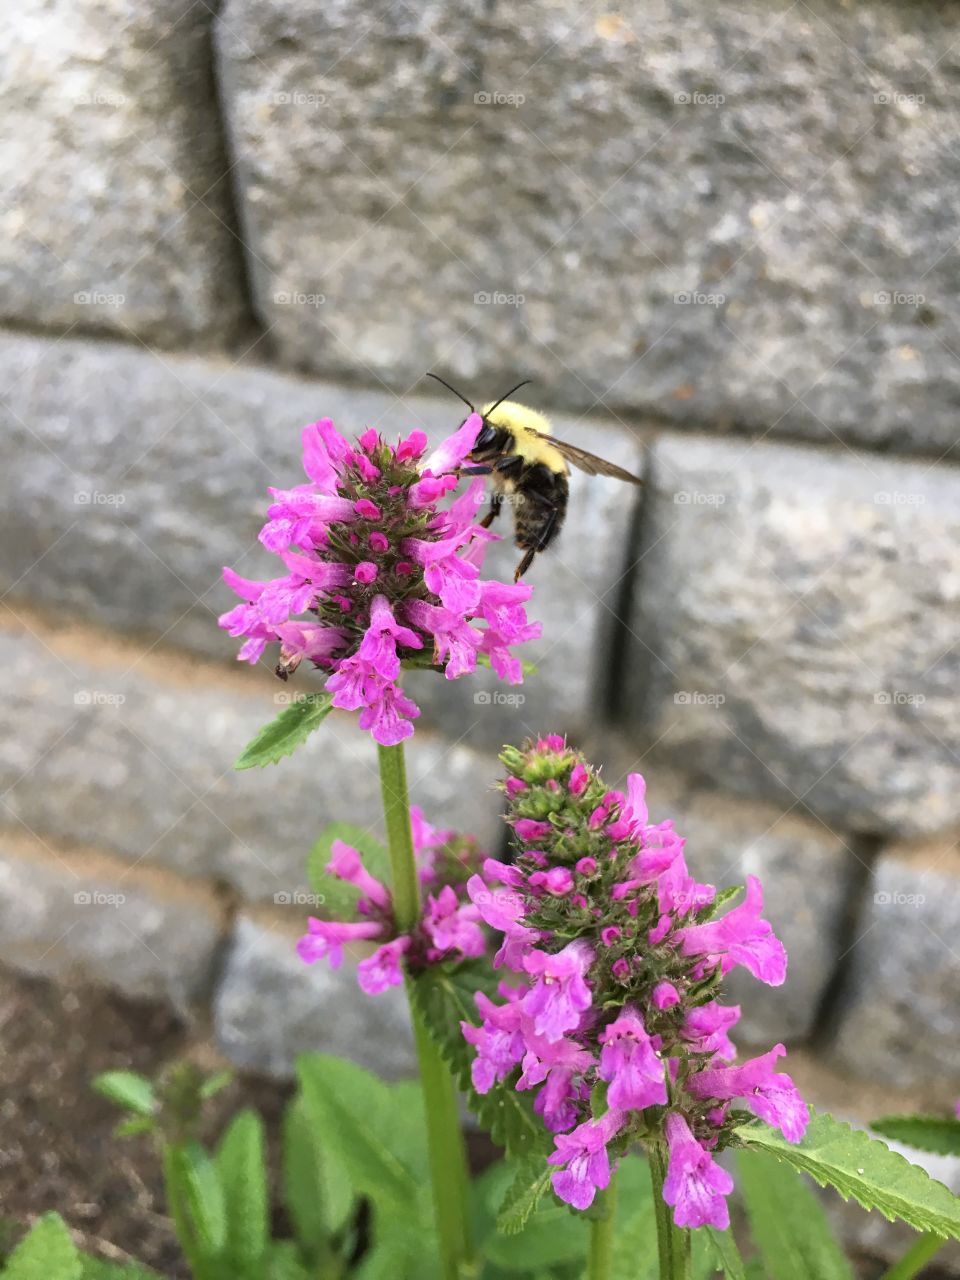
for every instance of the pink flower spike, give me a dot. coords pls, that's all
(388, 716)
(630, 1064)
(665, 995)
(557, 881)
(529, 829)
(769, 1094)
(498, 1041)
(411, 448)
(740, 937)
(706, 1029)
(584, 1155)
(369, 510)
(369, 440)
(578, 779)
(452, 926)
(382, 969)
(695, 1185)
(346, 864)
(455, 448)
(379, 645)
(560, 994)
(366, 572)
(327, 938)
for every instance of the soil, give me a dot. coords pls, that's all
(57, 1149)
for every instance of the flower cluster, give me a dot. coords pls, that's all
(613, 1009)
(449, 927)
(383, 572)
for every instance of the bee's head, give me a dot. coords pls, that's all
(488, 431)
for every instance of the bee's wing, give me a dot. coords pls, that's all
(589, 462)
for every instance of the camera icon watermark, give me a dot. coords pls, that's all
(699, 99)
(898, 698)
(283, 298)
(100, 98)
(297, 98)
(696, 498)
(697, 698)
(94, 498)
(893, 98)
(496, 298)
(97, 298)
(288, 697)
(898, 498)
(696, 298)
(494, 98)
(898, 298)
(498, 698)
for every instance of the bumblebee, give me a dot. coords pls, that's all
(528, 469)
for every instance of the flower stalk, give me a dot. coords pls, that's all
(600, 1260)
(447, 1150)
(673, 1242)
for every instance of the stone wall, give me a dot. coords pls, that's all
(721, 241)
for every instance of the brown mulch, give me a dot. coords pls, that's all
(57, 1149)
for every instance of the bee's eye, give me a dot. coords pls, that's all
(485, 437)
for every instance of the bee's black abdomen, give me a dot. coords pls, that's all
(542, 506)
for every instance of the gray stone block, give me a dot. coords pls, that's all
(130, 763)
(117, 214)
(742, 216)
(794, 629)
(270, 1007)
(151, 474)
(898, 1018)
(807, 873)
(70, 919)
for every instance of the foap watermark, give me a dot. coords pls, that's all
(98, 698)
(898, 298)
(898, 698)
(100, 98)
(298, 98)
(697, 498)
(97, 298)
(699, 99)
(697, 698)
(498, 699)
(695, 298)
(494, 98)
(898, 498)
(98, 898)
(498, 299)
(95, 498)
(888, 898)
(287, 697)
(894, 98)
(298, 898)
(297, 299)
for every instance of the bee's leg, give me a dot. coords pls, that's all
(542, 543)
(496, 502)
(509, 464)
(480, 469)
(524, 564)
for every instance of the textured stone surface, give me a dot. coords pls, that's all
(807, 873)
(795, 628)
(114, 204)
(744, 215)
(270, 1006)
(121, 760)
(152, 473)
(898, 1018)
(66, 920)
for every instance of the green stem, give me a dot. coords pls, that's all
(919, 1253)
(601, 1236)
(447, 1149)
(673, 1243)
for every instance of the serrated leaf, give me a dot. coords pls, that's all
(787, 1221)
(864, 1169)
(241, 1168)
(126, 1089)
(553, 1236)
(939, 1135)
(286, 731)
(530, 1184)
(443, 996)
(723, 898)
(316, 1190)
(353, 1110)
(46, 1252)
(340, 898)
(725, 1252)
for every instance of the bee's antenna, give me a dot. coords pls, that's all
(524, 383)
(436, 377)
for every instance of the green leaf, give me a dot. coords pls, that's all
(835, 1155)
(127, 1089)
(316, 1191)
(133, 1126)
(788, 1223)
(97, 1269)
(530, 1184)
(551, 1236)
(725, 1252)
(47, 1252)
(354, 1112)
(214, 1084)
(724, 896)
(937, 1134)
(284, 734)
(340, 898)
(196, 1186)
(241, 1167)
(444, 997)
